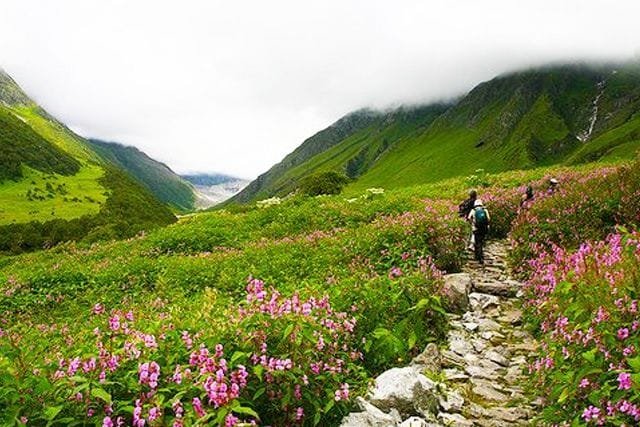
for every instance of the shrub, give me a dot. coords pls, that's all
(329, 182)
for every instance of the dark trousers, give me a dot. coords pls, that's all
(478, 246)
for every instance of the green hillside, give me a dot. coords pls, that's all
(272, 181)
(54, 187)
(554, 115)
(155, 176)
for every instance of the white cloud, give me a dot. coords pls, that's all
(234, 86)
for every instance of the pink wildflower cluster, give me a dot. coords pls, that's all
(587, 304)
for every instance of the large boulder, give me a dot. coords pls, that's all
(370, 416)
(405, 389)
(456, 291)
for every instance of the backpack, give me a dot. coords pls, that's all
(481, 219)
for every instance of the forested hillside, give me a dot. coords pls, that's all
(54, 187)
(157, 177)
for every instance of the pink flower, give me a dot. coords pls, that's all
(299, 414)
(107, 422)
(114, 322)
(591, 413)
(197, 407)
(623, 333)
(154, 414)
(98, 309)
(624, 381)
(584, 383)
(342, 393)
(230, 421)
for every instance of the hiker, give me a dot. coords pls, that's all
(553, 186)
(463, 211)
(479, 218)
(527, 197)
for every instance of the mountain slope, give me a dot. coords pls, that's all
(157, 177)
(560, 114)
(521, 120)
(54, 187)
(270, 182)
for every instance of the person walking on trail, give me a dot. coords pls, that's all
(553, 186)
(479, 218)
(463, 211)
(527, 197)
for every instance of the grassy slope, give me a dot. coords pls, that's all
(155, 176)
(82, 194)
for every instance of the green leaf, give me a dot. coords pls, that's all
(244, 410)
(101, 394)
(634, 363)
(564, 395)
(330, 404)
(259, 393)
(51, 412)
(590, 356)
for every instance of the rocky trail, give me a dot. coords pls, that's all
(476, 378)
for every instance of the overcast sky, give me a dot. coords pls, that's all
(233, 86)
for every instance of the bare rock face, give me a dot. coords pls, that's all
(456, 290)
(370, 416)
(405, 389)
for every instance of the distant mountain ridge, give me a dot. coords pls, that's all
(208, 178)
(556, 114)
(214, 188)
(165, 184)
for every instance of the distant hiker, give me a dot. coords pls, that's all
(463, 211)
(553, 186)
(465, 207)
(479, 218)
(527, 197)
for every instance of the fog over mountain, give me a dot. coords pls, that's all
(232, 87)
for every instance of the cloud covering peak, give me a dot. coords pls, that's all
(234, 86)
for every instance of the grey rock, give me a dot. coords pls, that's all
(470, 326)
(481, 372)
(459, 344)
(486, 391)
(479, 344)
(452, 360)
(429, 359)
(456, 289)
(370, 416)
(489, 325)
(405, 389)
(508, 414)
(416, 422)
(496, 288)
(452, 401)
(456, 420)
(454, 375)
(496, 357)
